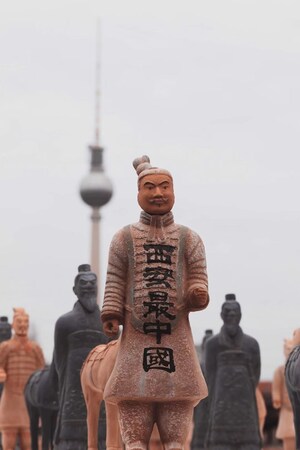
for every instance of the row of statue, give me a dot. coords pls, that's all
(138, 355)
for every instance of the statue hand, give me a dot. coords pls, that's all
(2, 375)
(197, 297)
(111, 327)
(276, 404)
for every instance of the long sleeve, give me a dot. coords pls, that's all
(116, 279)
(4, 349)
(277, 387)
(196, 276)
(256, 363)
(39, 356)
(196, 260)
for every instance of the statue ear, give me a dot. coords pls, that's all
(75, 290)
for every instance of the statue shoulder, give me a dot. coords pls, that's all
(38, 353)
(63, 321)
(34, 345)
(192, 239)
(120, 234)
(251, 342)
(119, 243)
(5, 348)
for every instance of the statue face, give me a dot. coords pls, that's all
(21, 324)
(156, 194)
(231, 316)
(86, 291)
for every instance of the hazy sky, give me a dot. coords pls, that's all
(209, 90)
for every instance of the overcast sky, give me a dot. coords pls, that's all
(209, 90)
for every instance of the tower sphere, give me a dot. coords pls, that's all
(96, 189)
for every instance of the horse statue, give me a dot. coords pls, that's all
(292, 377)
(41, 398)
(94, 375)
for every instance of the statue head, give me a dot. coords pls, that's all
(85, 287)
(231, 314)
(155, 187)
(20, 322)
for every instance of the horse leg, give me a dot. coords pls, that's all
(53, 420)
(113, 435)
(46, 428)
(34, 425)
(93, 401)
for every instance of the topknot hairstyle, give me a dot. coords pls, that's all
(19, 312)
(143, 167)
(82, 269)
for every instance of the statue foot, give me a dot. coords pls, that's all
(136, 446)
(173, 446)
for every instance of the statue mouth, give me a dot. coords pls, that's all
(88, 291)
(158, 201)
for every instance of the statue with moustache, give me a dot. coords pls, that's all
(76, 333)
(232, 369)
(156, 277)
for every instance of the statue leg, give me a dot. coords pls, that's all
(9, 438)
(113, 436)
(174, 420)
(155, 442)
(34, 416)
(93, 402)
(136, 421)
(289, 444)
(25, 438)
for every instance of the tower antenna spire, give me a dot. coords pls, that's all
(97, 83)
(96, 188)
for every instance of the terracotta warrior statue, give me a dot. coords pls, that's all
(19, 358)
(156, 276)
(280, 397)
(76, 333)
(232, 370)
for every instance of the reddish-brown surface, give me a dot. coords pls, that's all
(19, 358)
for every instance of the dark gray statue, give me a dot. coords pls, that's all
(5, 334)
(76, 333)
(5, 329)
(232, 369)
(201, 410)
(292, 379)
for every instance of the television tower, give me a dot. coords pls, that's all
(96, 188)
